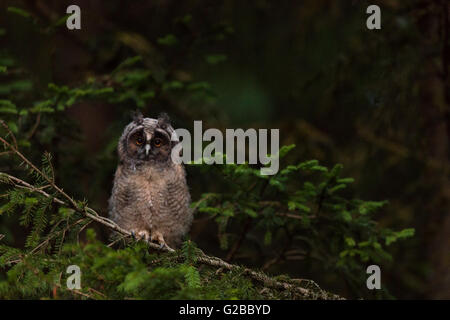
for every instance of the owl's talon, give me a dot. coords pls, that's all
(140, 235)
(144, 235)
(158, 237)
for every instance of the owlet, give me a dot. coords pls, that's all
(150, 197)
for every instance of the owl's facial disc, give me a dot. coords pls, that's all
(149, 144)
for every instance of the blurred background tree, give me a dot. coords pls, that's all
(375, 101)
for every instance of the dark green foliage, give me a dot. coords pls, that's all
(303, 206)
(131, 272)
(307, 221)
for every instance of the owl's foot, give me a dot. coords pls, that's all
(158, 237)
(141, 235)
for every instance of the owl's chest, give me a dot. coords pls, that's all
(147, 188)
(153, 191)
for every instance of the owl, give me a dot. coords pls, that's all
(150, 196)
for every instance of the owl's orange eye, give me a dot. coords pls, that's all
(139, 141)
(157, 142)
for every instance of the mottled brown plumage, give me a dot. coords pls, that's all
(150, 196)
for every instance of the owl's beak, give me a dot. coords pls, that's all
(147, 149)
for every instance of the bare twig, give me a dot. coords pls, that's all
(238, 243)
(23, 184)
(35, 126)
(9, 133)
(76, 291)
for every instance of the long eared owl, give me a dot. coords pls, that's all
(150, 197)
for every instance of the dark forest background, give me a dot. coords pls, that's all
(376, 101)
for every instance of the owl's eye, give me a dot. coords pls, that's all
(139, 140)
(157, 142)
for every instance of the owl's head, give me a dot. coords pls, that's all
(147, 140)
